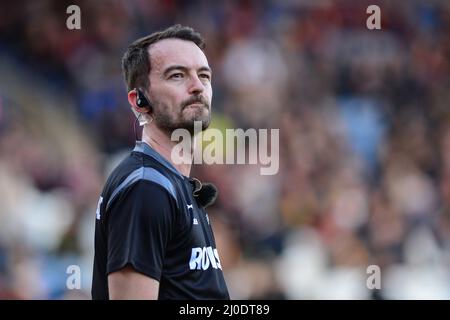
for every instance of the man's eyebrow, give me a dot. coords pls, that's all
(205, 69)
(183, 68)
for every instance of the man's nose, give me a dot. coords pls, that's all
(195, 85)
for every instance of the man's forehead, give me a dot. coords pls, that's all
(169, 52)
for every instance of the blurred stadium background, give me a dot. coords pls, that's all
(364, 120)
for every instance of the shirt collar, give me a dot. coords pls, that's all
(143, 147)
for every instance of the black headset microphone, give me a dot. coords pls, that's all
(205, 193)
(141, 102)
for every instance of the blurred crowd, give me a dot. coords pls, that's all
(364, 120)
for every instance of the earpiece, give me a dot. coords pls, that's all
(141, 100)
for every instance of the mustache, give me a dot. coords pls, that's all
(195, 99)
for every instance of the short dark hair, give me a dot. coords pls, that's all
(136, 60)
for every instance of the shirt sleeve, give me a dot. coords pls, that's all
(139, 228)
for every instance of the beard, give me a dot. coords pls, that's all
(169, 122)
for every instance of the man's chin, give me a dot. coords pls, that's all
(196, 124)
(204, 117)
(204, 124)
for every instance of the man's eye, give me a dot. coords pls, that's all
(205, 76)
(178, 75)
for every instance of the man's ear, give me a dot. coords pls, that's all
(132, 100)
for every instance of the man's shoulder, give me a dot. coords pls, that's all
(122, 170)
(132, 164)
(142, 169)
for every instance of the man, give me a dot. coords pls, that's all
(153, 238)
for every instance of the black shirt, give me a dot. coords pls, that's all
(148, 218)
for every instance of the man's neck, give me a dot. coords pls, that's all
(161, 143)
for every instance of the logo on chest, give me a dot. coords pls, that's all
(204, 258)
